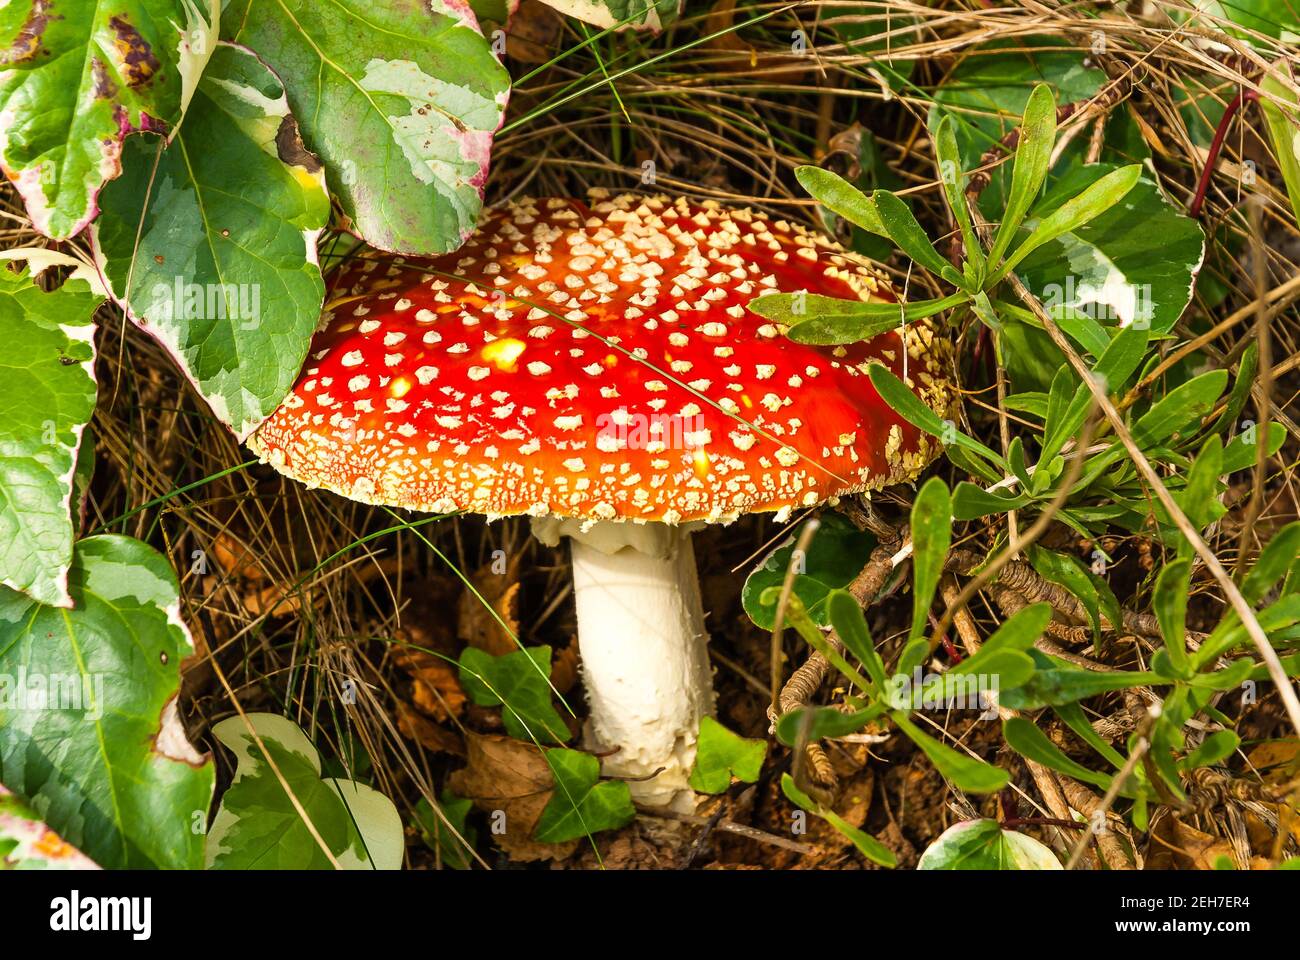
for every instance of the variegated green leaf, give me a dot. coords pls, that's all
(77, 77)
(1109, 269)
(984, 845)
(90, 734)
(27, 842)
(651, 15)
(47, 394)
(400, 100)
(258, 827)
(221, 263)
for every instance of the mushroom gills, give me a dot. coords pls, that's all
(645, 658)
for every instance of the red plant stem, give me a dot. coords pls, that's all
(953, 654)
(1220, 132)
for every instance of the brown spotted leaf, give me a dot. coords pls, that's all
(76, 76)
(400, 99)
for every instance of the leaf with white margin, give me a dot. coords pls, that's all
(258, 826)
(984, 845)
(651, 15)
(1135, 263)
(400, 100)
(221, 265)
(47, 395)
(79, 75)
(90, 735)
(27, 842)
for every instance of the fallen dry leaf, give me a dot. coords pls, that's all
(271, 601)
(511, 781)
(235, 558)
(532, 32)
(1275, 759)
(477, 623)
(1176, 846)
(564, 667)
(436, 690)
(428, 734)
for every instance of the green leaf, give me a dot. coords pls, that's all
(1107, 269)
(257, 826)
(79, 76)
(1273, 18)
(519, 682)
(1273, 562)
(986, 95)
(439, 837)
(721, 755)
(963, 687)
(1281, 108)
(1098, 197)
(582, 804)
(1117, 363)
(1169, 599)
(1066, 571)
(851, 627)
(904, 230)
(90, 734)
(1246, 368)
(841, 197)
(835, 556)
(1215, 748)
(807, 724)
(47, 394)
(27, 842)
(1178, 413)
(1200, 498)
(970, 502)
(1062, 685)
(984, 845)
(1239, 454)
(1028, 741)
(954, 189)
(400, 100)
(931, 535)
(1017, 634)
(1078, 721)
(826, 320)
(968, 773)
(1033, 402)
(1033, 159)
(221, 265)
(905, 403)
(867, 845)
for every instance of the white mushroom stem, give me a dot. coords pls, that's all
(645, 659)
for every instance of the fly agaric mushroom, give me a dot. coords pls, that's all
(596, 368)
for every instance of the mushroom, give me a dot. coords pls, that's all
(596, 368)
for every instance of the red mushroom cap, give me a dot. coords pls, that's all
(600, 362)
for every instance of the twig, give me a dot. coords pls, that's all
(729, 826)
